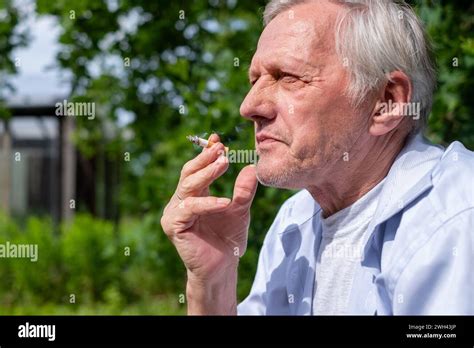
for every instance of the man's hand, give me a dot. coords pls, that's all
(210, 233)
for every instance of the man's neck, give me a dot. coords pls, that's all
(347, 181)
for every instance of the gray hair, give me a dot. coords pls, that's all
(374, 38)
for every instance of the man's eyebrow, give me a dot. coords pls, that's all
(282, 65)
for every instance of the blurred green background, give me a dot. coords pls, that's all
(173, 68)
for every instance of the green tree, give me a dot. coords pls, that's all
(11, 38)
(451, 27)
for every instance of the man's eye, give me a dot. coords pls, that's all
(287, 77)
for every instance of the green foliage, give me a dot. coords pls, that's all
(89, 251)
(155, 268)
(30, 276)
(109, 270)
(161, 305)
(11, 37)
(451, 27)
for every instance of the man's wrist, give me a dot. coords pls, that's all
(216, 296)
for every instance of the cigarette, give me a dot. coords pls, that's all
(202, 142)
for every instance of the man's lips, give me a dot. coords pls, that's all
(265, 138)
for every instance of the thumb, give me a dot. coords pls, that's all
(245, 186)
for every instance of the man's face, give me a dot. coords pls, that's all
(304, 123)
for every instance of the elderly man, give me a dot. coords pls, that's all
(384, 221)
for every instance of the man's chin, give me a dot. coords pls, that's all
(276, 175)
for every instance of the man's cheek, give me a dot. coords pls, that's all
(304, 146)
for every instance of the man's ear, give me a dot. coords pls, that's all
(389, 110)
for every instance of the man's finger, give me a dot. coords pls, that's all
(202, 179)
(201, 160)
(214, 138)
(245, 186)
(192, 207)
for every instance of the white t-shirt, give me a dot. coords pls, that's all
(340, 251)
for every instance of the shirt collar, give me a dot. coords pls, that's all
(408, 178)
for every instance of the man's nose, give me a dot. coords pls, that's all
(258, 103)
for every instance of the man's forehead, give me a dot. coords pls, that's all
(288, 34)
(301, 29)
(313, 18)
(296, 40)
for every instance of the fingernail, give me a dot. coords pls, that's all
(223, 201)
